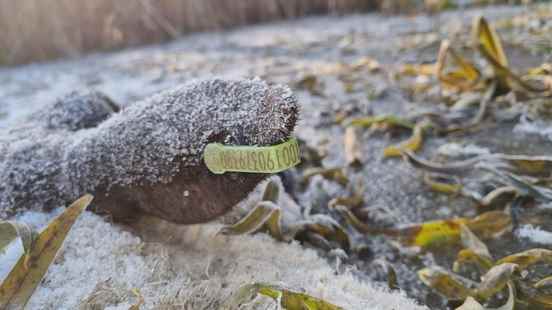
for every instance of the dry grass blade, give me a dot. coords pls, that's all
(10, 230)
(18, 286)
(457, 168)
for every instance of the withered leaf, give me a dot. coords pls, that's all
(473, 304)
(388, 120)
(528, 258)
(413, 144)
(333, 174)
(20, 283)
(286, 298)
(544, 283)
(472, 242)
(452, 286)
(495, 279)
(9, 230)
(253, 221)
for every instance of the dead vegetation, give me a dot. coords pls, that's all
(38, 30)
(34, 30)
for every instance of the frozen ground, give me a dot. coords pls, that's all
(102, 262)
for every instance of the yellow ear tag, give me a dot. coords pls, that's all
(221, 158)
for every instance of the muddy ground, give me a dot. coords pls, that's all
(287, 52)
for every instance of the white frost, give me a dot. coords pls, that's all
(535, 234)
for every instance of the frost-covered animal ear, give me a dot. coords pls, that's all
(77, 110)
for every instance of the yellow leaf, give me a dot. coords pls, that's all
(285, 298)
(18, 286)
(442, 185)
(486, 38)
(467, 256)
(528, 258)
(490, 224)
(444, 232)
(432, 233)
(388, 120)
(462, 75)
(414, 143)
(446, 283)
(415, 70)
(253, 221)
(488, 43)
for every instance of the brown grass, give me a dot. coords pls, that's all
(34, 30)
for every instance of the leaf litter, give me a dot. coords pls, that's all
(472, 89)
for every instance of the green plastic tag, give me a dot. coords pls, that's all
(221, 158)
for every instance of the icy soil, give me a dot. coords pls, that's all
(197, 270)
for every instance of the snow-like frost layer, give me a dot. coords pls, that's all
(187, 266)
(535, 234)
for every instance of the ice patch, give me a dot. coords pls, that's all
(535, 234)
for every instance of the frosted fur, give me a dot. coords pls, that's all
(45, 166)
